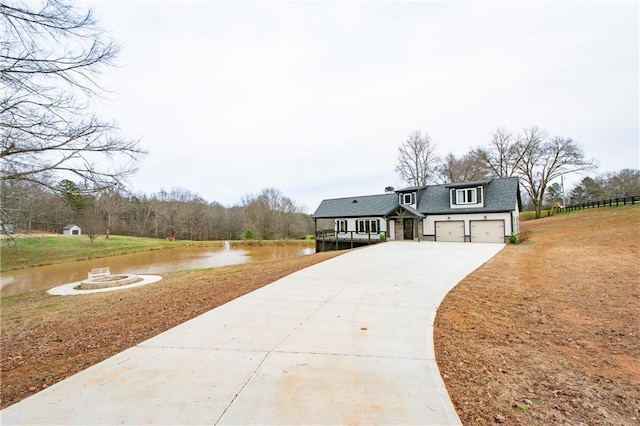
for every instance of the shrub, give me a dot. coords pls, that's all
(382, 238)
(513, 238)
(248, 235)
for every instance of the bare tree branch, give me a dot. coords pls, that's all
(50, 57)
(417, 160)
(544, 159)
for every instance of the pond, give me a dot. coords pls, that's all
(149, 262)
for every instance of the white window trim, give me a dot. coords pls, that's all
(369, 225)
(460, 199)
(461, 196)
(412, 198)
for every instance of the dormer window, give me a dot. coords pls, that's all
(408, 198)
(466, 197)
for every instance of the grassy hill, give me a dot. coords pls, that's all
(548, 331)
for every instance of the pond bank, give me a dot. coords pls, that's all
(146, 262)
(31, 251)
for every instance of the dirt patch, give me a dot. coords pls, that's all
(548, 332)
(45, 339)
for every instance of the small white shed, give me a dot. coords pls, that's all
(72, 230)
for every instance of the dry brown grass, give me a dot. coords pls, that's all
(45, 339)
(548, 331)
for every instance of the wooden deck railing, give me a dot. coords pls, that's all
(350, 238)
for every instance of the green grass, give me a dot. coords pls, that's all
(531, 214)
(36, 251)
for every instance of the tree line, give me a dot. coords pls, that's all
(177, 213)
(605, 186)
(533, 155)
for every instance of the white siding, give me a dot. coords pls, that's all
(430, 229)
(352, 228)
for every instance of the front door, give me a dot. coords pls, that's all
(408, 228)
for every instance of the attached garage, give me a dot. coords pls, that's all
(450, 231)
(487, 231)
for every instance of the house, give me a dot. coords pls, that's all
(71, 230)
(478, 211)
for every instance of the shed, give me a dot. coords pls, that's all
(72, 229)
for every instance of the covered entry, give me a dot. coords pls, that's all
(450, 231)
(487, 231)
(407, 224)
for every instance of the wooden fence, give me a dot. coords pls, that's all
(602, 203)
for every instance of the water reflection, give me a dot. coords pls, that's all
(152, 262)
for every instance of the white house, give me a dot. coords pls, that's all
(71, 230)
(479, 211)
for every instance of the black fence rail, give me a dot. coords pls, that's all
(621, 201)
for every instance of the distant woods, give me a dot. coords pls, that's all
(177, 213)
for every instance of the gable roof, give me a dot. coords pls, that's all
(72, 225)
(500, 195)
(368, 205)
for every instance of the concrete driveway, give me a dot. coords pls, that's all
(346, 341)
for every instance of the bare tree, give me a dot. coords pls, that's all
(271, 214)
(502, 156)
(544, 159)
(469, 167)
(625, 183)
(417, 160)
(50, 57)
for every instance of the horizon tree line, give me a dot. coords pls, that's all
(177, 213)
(532, 155)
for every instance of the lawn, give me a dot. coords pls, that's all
(547, 332)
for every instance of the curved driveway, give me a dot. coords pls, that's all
(346, 341)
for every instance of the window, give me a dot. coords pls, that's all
(466, 196)
(342, 226)
(407, 198)
(368, 225)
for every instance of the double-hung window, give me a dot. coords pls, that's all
(466, 196)
(342, 226)
(365, 226)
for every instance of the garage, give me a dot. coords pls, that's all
(450, 231)
(487, 231)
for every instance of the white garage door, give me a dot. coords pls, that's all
(450, 231)
(487, 231)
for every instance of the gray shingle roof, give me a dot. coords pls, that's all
(500, 195)
(368, 205)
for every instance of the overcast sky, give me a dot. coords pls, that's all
(314, 98)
